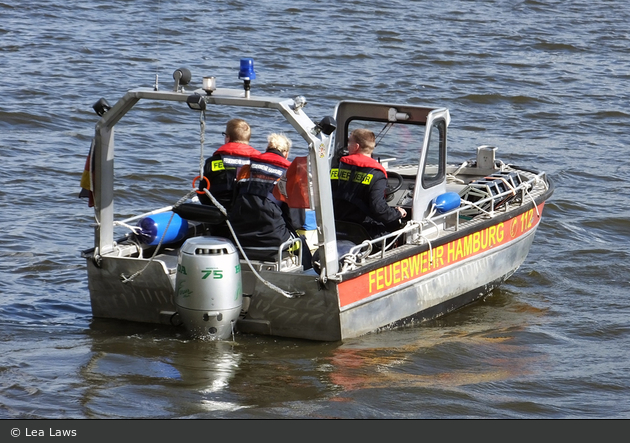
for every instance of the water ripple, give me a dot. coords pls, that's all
(543, 81)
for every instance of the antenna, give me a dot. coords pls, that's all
(157, 66)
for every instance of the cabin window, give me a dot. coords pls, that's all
(433, 171)
(394, 141)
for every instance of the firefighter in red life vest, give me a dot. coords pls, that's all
(359, 188)
(261, 222)
(222, 168)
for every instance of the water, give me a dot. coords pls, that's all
(545, 81)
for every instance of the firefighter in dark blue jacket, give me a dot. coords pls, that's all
(260, 221)
(359, 186)
(223, 166)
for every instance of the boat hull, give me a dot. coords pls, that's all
(437, 293)
(312, 315)
(147, 298)
(371, 299)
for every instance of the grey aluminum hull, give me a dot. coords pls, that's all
(317, 314)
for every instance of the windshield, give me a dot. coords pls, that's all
(399, 141)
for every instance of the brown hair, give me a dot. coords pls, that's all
(365, 138)
(238, 130)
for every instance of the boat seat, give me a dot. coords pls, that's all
(349, 231)
(281, 257)
(200, 213)
(263, 253)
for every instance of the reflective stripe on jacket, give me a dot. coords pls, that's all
(221, 170)
(257, 216)
(263, 173)
(359, 186)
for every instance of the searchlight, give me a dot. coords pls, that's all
(182, 77)
(327, 125)
(196, 102)
(298, 103)
(101, 107)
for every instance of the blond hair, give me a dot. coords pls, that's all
(238, 130)
(280, 142)
(365, 138)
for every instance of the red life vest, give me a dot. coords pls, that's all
(262, 173)
(363, 161)
(221, 170)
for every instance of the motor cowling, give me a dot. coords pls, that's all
(208, 286)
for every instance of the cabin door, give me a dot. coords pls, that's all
(431, 177)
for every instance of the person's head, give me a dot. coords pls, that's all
(361, 141)
(238, 131)
(280, 142)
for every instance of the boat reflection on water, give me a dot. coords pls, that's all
(444, 354)
(151, 371)
(154, 372)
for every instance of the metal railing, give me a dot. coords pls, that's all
(420, 230)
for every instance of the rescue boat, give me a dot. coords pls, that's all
(469, 227)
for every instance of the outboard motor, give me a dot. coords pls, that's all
(208, 287)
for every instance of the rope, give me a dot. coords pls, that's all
(202, 127)
(270, 285)
(533, 200)
(351, 260)
(388, 246)
(489, 214)
(459, 169)
(383, 133)
(202, 123)
(133, 229)
(240, 248)
(425, 238)
(157, 248)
